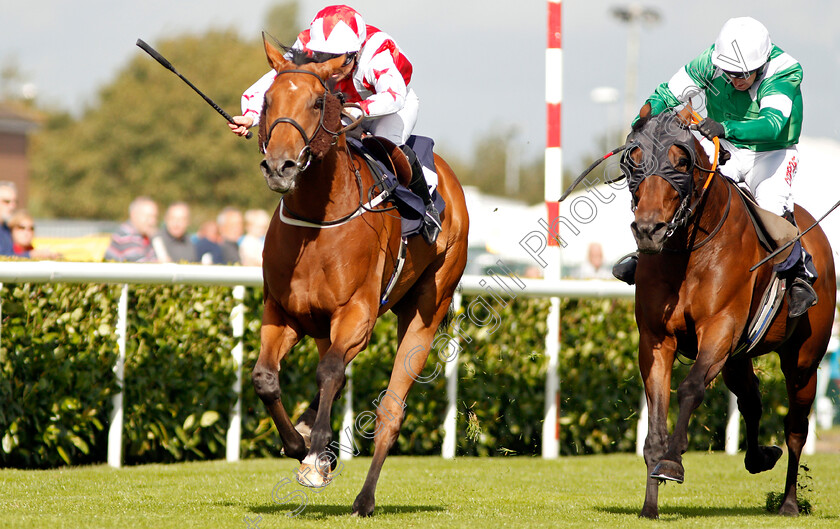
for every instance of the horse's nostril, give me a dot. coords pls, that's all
(648, 229)
(288, 168)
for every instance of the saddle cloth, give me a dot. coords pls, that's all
(773, 231)
(410, 206)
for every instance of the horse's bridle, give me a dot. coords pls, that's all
(687, 208)
(304, 157)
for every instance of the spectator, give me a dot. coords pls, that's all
(594, 267)
(172, 244)
(230, 228)
(8, 203)
(22, 227)
(251, 245)
(207, 243)
(132, 240)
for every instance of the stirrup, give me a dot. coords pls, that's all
(801, 297)
(431, 224)
(625, 268)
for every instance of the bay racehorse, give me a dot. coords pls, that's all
(326, 270)
(696, 295)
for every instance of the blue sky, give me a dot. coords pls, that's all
(479, 64)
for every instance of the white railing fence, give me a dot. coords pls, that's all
(241, 277)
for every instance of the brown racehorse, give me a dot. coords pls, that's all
(695, 294)
(328, 283)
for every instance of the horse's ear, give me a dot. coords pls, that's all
(275, 57)
(685, 115)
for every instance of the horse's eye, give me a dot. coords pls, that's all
(319, 103)
(683, 162)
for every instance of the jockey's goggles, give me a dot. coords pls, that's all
(741, 74)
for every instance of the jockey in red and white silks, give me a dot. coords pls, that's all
(378, 83)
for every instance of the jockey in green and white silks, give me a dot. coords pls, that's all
(748, 90)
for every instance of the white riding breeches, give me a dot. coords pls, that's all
(769, 175)
(397, 127)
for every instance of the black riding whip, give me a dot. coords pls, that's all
(589, 169)
(792, 241)
(168, 65)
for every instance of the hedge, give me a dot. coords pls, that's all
(58, 348)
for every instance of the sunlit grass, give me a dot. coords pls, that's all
(589, 491)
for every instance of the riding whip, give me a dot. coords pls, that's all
(589, 169)
(166, 64)
(782, 248)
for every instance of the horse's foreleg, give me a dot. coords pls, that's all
(415, 342)
(740, 378)
(713, 348)
(306, 420)
(801, 382)
(276, 339)
(350, 332)
(655, 361)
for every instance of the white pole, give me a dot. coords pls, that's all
(237, 320)
(115, 428)
(450, 422)
(552, 190)
(811, 442)
(346, 434)
(733, 426)
(642, 426)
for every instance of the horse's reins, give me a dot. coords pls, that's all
(299, 220)
(307, 140)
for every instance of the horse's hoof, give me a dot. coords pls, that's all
(766, 459)
(310, 476)
(668, 471)
(789, 508)
(651, 513)
(363, 507)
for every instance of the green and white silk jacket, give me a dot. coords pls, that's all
(766, 117)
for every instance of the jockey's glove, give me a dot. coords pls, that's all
(711, 129)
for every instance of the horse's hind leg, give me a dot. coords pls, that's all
(276, 339)
(740, 378)
(800, 369)
(415, 337)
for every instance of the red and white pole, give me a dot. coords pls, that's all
(553, 185)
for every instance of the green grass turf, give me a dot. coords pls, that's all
(427, 492)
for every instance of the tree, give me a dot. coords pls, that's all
(150, 134)
(486, 170)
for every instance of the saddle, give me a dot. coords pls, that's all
(391, 156)
(773, 231)
(393, 173)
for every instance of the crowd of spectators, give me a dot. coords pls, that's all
(17, 227)
(220, 241)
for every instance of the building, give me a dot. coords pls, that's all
(15, 124)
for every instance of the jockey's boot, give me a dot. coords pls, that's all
(800, 276)
(625, 268)
(418, 186)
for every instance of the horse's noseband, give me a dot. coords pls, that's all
(318, 144)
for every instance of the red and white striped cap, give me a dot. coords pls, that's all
(337, 29)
